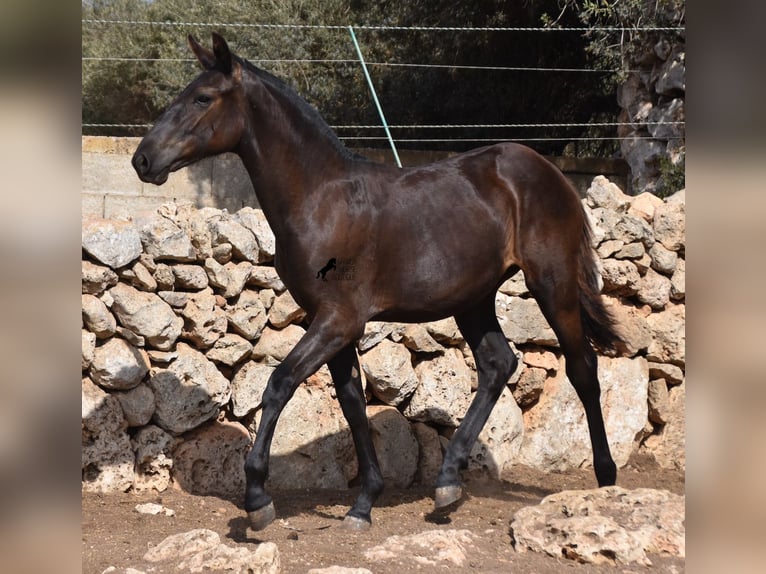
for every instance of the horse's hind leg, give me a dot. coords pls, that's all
(348, 384)
(495, 363)
(559, 300)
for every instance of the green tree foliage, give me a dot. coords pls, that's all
(135, 92)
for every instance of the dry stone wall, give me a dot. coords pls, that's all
(184, 319)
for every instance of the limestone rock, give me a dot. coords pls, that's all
(88, 348)
(522, 321)
(190, 277)
(633, 250)
(604, 193)
(194, 223)
(668, 336)
(630, 229)
(443, 548)
(239, 273)
(154, 460)
(416, 338)
(267, 297)
(498, 445)
(107, 458)
(146, 315)
(247, 387)
(139, 277)
(165, 277)
(211, 459)
(285, 311)
(201, 550)
(663, 260)
(181, 545)
(395, 445)
(445, 331)
(556, 433)
(631, 325)
(189, 392)
(670, 226)
(137, 405)
(659, 405)
(229, 350)
(529, 387)
(96, 279)
(118, 365)
(388, 367)
(430, 459)
(228, 230)
(515, 286)
(247, 316)
(654, 290)
(541, 358)
(267, 277)
(163, 240)
(218, 275)
(153, 509)
(678, 282)
(668, 445)
(672, 374)
(204, 321)
(444, 392)
(255, 221)
(223, 253)
(620, 277)
(277, 344)
(236, 559)
(643, 206)
(601, 222)
(609, 525)
(176, 299)
(374, 333)
(113, 243)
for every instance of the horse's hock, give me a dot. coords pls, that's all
(184, 319)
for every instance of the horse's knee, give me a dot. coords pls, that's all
(509, 364)
(502, 363)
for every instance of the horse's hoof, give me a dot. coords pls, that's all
(261, 518)
(353, 523)
(446, 495)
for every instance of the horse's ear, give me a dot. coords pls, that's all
(222, 54)
(205, 56)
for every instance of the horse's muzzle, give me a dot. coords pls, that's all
(143, 167)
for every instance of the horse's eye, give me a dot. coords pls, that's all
(202, 100)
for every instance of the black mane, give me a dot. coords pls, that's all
(311, 114)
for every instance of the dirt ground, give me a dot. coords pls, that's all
(307, 534)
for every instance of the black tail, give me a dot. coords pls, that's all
(598, 323)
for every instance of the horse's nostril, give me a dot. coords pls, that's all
(141, 163)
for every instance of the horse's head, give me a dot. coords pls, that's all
(206, 119)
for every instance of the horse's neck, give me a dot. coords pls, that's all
(288, 160)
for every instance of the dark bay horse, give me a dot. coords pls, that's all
(425, 243)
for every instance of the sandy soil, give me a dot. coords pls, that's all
(307, 533)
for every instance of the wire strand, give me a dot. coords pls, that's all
(386, 28)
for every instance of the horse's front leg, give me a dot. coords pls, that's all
(326, 336)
